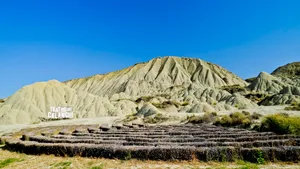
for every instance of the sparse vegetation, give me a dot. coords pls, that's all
(62, 165)
(246, 113)
(167, 96)
(185, 103)
(234, 88)
(2, 101)
(246, 165)
(98, 167)
(256, 97)
(8, 161)
(237, 119)
(128, 99)
(44, 119)
(206, 118)
(36, 122)
(158, 118)
(144, 98)
(288, 70)
(162, 105)
(130, 117)
(250, 80)
(293, 107)
(166, 104)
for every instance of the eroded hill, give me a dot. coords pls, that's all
(164, 85)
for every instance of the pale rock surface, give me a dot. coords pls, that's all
(193, 85)
(266, 83)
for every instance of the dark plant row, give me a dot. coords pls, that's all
(178, 142)
(291, 153)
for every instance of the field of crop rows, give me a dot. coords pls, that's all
(180, 142)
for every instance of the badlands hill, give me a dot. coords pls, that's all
(162, 85)
(289, 70)
(280, 87)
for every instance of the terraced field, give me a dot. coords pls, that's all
(180, 142)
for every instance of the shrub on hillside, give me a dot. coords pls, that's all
(130, 117)
(244, 119)
(144, 98)
(293, 107)
(166, 104)
(158, 118)
(234, 119)
(206, 118)
(234, 88)
(246, 113)
(256, 97)
(281, 124)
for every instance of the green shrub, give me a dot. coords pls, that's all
(166, 104)
(234, 119)
(225, 121)
(256, 97)
(281, 124)
(260, 159)
(246, 113)
(293, 107)
(206, 118)
(130, 117)
(234, 88)
(158, 118)
(127, 156)
(214, 114)
(185, 103)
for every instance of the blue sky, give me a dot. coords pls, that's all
(42, 40)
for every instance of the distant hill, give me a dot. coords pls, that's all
(282, 86)
(288, 70)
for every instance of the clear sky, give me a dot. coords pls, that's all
(63, 39)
